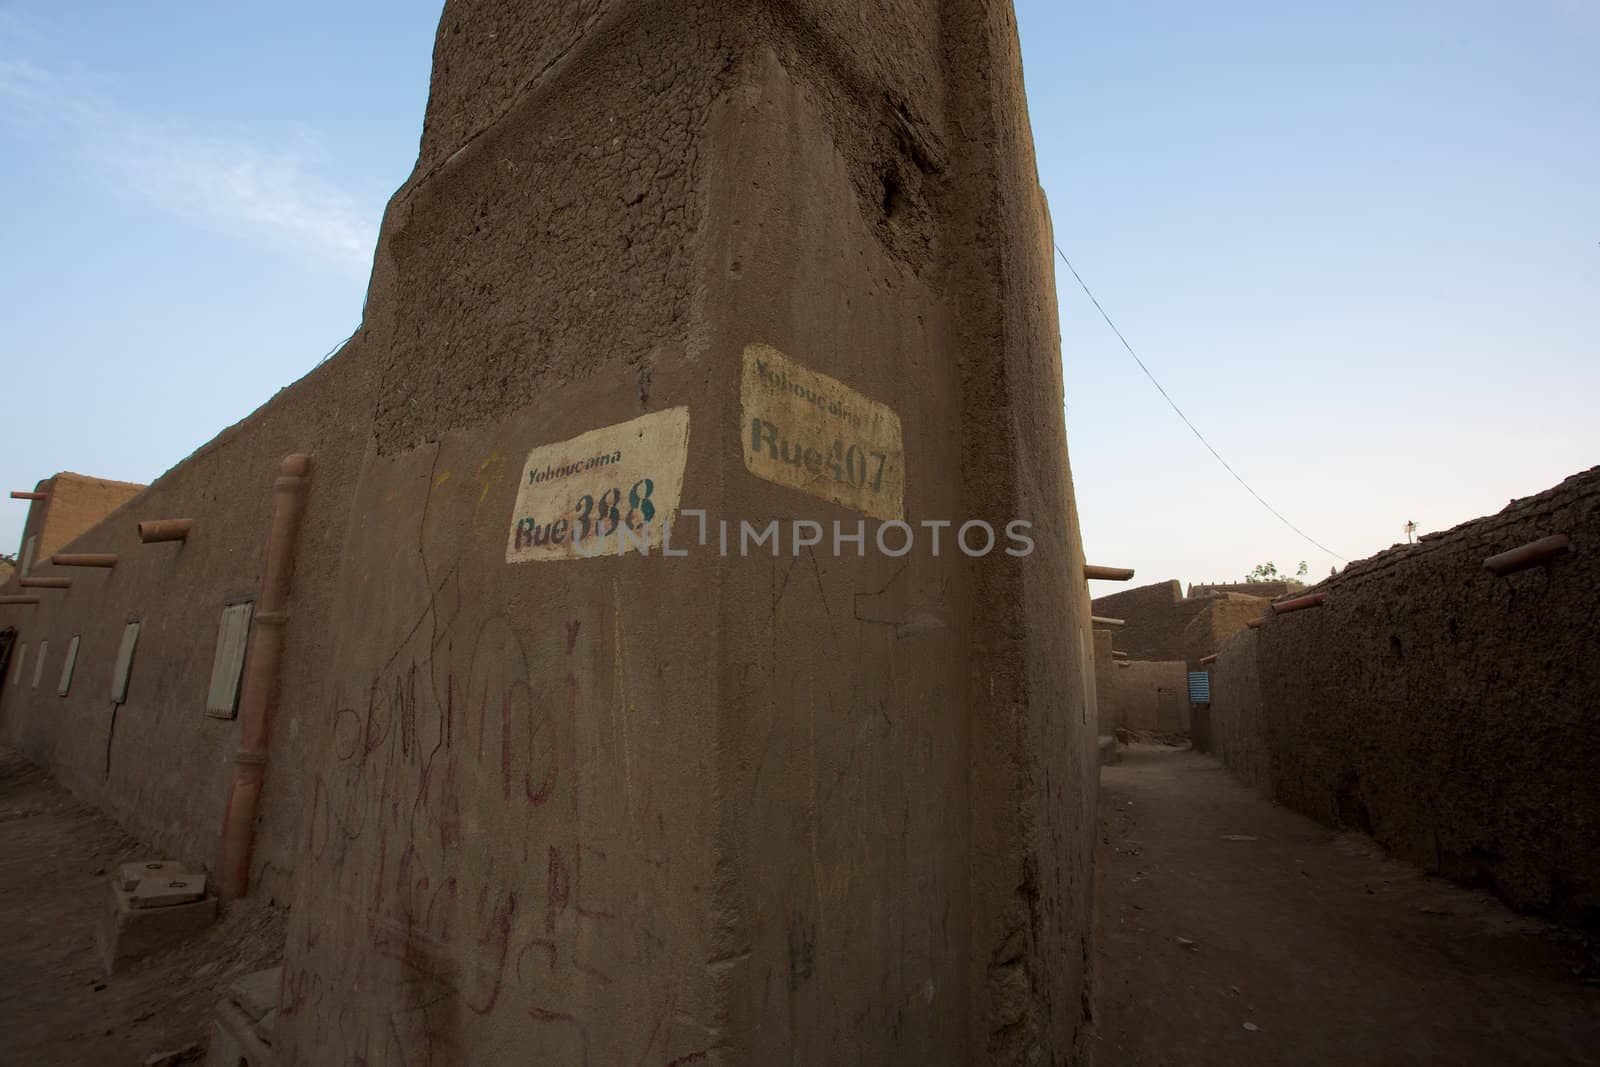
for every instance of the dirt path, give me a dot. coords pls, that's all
(56, 1004)
(1216, 909)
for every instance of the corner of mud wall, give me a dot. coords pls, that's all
(902, 795)
(812, 807)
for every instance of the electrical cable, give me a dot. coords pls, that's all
(1173, 404)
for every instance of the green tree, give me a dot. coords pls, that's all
(1269, 572)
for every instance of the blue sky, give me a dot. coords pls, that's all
(1358, 243)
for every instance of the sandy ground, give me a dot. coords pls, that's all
(1233, 931)
(57, 1005)
(1216, 909)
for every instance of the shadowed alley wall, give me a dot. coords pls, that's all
(1151, 696)
(1452, 714)
(1104, 664)
(1237, 731)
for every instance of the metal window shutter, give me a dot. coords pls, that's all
(222, 699)
(124, 664)
(1199, 687)
(67, 667)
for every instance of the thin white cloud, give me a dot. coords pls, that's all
(226, 179)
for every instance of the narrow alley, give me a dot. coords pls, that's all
(1231, 930)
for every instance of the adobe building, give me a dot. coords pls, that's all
(742, 263)
(1150, 639)
(1160, 624)
(61, 508)
(58, 510)
(1136, 696)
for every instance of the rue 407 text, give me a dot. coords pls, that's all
(851, 465)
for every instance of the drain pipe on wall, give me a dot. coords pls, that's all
(260, 688)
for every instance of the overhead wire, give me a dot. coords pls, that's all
(1192, 428)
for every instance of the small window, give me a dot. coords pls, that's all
(22, 654)
(222, 700)
(67, 667)
(25, 564)
(124, 665)
(38, 664)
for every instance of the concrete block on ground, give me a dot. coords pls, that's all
(164, 891)
(128, 933)
(131, 874)
(1108, 749)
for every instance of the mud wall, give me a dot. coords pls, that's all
(1269, 590)
(1448, 712)
(73, 503)
(1151, 696)
(158, 763)
(1104, 683)
(1154, 617)
(812, 806)
(1219, 618)
(1236, 727)
(1163, 625)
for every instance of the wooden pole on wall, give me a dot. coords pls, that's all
(154, 530)
(1529, 555)
(1107, 574)
(1299, 603)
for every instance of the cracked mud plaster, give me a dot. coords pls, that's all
(556, 243)
(582, 178)
(1422, 678)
